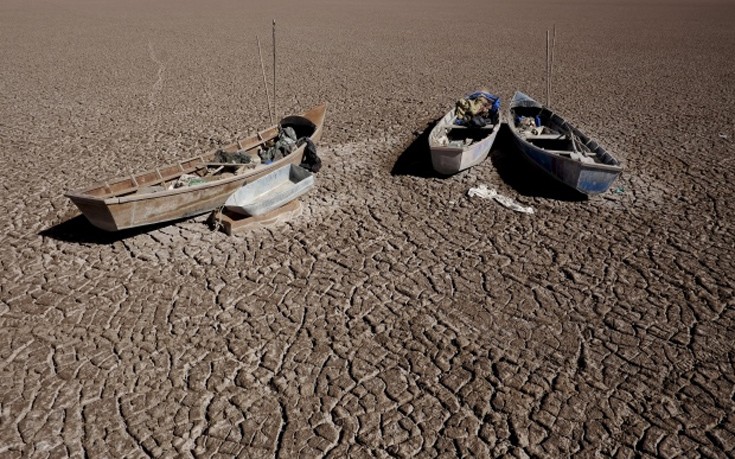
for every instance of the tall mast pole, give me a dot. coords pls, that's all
(275, 111)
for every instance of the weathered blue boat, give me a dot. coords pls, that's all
(560, 149)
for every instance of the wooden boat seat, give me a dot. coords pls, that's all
(545, 137)
(489, 127)
(235, 165)
(587, 158)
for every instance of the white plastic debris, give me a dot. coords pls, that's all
(483, 192)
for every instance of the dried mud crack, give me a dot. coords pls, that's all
(395, 317)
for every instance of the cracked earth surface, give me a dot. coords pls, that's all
(395, 317)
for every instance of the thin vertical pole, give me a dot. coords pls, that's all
(265, 83)
(548, 57)
(551, 65)
(275, 111)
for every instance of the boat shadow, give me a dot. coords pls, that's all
(524, 177)
(415, 159)
(78, 230)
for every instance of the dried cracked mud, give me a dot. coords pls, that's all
(396, 317)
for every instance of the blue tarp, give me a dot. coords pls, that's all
(491, 97)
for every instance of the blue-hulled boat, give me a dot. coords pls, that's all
(559, 149)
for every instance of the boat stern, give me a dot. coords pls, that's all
(96, 211)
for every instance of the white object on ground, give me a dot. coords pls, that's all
(483, 192)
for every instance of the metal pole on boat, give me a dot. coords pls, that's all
(551, 63)
(275, 112)
(548, 83)
(265, 83)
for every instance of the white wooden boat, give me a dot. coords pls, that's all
(455, 148)
(271, 191)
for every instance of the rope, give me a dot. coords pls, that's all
(217, 219)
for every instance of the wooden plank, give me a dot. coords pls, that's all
(252, 146)
(545, 137)
(488, 127)
(136, 186)
(252, 165)
(232, 223)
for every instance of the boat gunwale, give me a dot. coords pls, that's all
(188, 189)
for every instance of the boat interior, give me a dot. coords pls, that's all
(548, 131)
(454, 135)
(557, 142)
(203, 168)
(473, 134)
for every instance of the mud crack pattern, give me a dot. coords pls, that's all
(395, 317)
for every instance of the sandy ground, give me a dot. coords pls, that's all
(396, 317)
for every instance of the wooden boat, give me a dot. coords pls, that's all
(149, 197)
(271, 191)
(455, 148)
(233, 223)
(561, 150)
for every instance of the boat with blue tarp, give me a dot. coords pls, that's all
(464, 136)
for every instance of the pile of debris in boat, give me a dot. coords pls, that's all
(273, 150)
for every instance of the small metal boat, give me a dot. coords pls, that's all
(271, 191)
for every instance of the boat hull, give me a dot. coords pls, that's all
(120, 213)
(585, 179)
(132, 210)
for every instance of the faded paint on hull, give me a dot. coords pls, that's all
(583, 178)
(448, 161)
(193, 201)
